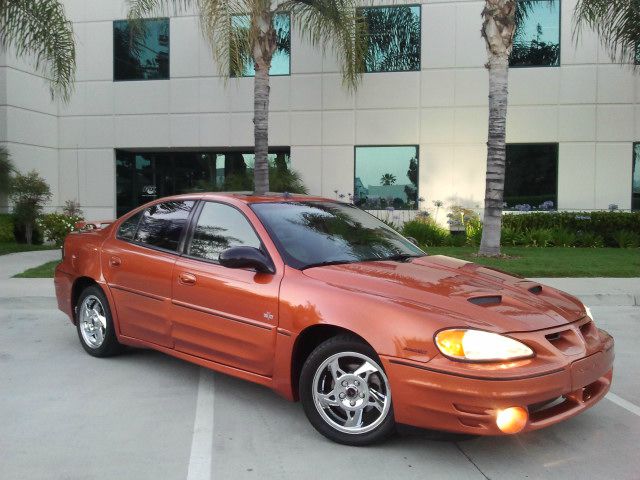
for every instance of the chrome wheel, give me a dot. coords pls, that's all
(351, 392)
(93, 321)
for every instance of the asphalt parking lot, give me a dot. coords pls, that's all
(143, 415)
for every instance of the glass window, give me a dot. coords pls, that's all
(531, 181)
(635, 182)
(129, 227)
(141, 53)
(280, 62)
(393, 37)
(537, 38)
(315, 233)
(161, 225)
(386, 177)
(221, 227)
(144, 176)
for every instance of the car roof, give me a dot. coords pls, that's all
(250, 197)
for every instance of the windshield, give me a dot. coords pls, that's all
(322, 233)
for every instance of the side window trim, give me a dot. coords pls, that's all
(140, 213)
(194, 222)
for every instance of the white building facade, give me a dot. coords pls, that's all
(572, 128)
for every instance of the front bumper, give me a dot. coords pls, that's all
(428, 398)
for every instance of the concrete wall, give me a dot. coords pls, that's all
(588, 105)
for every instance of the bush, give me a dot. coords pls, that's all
(511, 237)
(538, 237)
(56, 226)
(626, 239)
(6, 228)
(589, 240)
(473, 231)
(426, 232)
(602, 224)
(28, 192)
(563, 238)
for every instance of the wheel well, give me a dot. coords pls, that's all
(79, 285)
(306, 343)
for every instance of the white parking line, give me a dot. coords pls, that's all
(621, 402)
(202, 442)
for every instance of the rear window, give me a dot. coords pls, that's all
(161, 225)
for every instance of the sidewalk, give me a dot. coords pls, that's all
(614, 292)
(15, 263)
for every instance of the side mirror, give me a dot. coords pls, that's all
(245, 257)
(413, 240)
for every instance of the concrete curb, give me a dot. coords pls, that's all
(610, 300)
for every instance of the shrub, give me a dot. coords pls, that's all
(473, 231)
(589, 239)
(72, 209)
(6, 229)
(563, 238)
(28, 192)
(603, 224)
(538, 237)
(426, 232)
(511, 237)
(56, 226)
(626, 239)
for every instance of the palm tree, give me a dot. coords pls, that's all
(498, 28)
(6, 169)
(39, 29)
(617, 23)
(327, 22)
(388, 179)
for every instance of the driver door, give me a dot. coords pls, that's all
(225, 315)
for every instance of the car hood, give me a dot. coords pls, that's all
(463, 293)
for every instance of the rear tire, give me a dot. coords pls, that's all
(345, 393)
(95, 324)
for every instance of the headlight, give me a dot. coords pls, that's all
(588, 310)
(480, 346)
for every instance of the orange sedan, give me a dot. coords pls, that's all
(326, 304)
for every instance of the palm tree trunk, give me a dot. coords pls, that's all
(261, 129)
(496, 151)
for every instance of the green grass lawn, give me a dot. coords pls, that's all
(6, 248)
(43, 271)
(528, 262)
(555, 262)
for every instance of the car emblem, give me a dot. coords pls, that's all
(268, 315)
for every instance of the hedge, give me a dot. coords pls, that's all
(6, 228)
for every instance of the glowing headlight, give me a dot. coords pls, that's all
(588, 310)
(480, 346)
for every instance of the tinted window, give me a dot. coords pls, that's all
(280, 62)
(162, 224)
(386, 177)
(537, 38)
(312, 233)
(393, 38)
(129, 227)
(141, 53)
(220, 227)
(531, 181)
(635, 182)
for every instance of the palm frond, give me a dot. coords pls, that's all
(6, 169)
(616, 22)
(337, 23)
(40, 29)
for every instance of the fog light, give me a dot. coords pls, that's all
(512, 419)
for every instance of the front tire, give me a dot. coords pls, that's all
(95, 324)
(345, 392)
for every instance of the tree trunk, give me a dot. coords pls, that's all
(28, 232)
(261, 130)
(496, 152)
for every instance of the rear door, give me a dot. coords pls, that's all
(225, 315)
(138, 264)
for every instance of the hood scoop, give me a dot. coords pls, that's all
(486, 300)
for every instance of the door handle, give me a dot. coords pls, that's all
(115, 261)
(187, 279)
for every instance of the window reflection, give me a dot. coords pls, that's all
(531, 180)
(141, 53)
(386, 177)
(537, 37)
(393, 36)
(635, 182)
(280, 62)
(161, 225)
(144, 176)
(220, 227)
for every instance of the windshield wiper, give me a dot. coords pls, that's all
(401, 257)
(327, 263)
